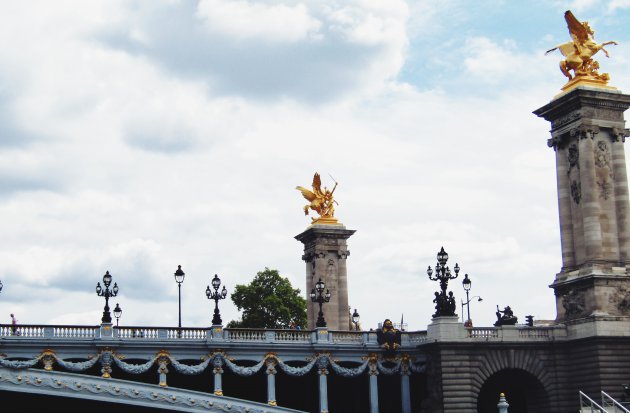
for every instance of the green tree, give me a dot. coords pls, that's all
(269, 301)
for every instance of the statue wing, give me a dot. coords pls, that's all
(565, 48)
(306, 193)
(317, 183)
(575, 27)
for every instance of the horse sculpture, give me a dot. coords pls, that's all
(580, 51)
(321, 201)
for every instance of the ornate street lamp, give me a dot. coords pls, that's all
(117, 313)
(355, 319)
(216, 296)
(179, 279)
(318, 296)
(444, 304)
(107, 293)
(467, 284)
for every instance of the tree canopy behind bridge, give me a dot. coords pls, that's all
(269, 301)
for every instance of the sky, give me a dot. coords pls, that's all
(136, 136)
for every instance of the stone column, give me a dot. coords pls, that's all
(271, 383)
(373, 373)
(218, 372)
(404, 384)
(162, 370)
(587, 134)
(325, 254)
(323, 386)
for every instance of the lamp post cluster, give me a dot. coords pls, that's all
(216, 296)
(444, 304)
(318, 296)
(467, 284)
(107, 293)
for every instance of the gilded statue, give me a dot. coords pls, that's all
(579, 52)
(321, 201)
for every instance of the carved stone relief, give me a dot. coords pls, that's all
(604, 171)
(568, 118)
(573, 157)
(621, 300)
(576, 191)
(573, 302)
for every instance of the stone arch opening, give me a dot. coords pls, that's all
(523, 391)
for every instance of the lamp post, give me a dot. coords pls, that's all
(318, 296)
(444, 304)
(117, 313)
(355, 319)
(107, 293)
(467, 284)
(179, 279)
(216, 296)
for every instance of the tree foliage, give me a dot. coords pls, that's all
(269, 301)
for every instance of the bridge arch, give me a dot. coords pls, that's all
(519, 373)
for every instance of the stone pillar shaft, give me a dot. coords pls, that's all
(587, 133)
(325, 254)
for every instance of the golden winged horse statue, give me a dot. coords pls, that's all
(579, 53)
(321, 201)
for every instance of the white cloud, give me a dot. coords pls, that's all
(153, 144)
(618, 5)
(258, 21)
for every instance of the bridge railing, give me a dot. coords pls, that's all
(249, 335)
(236, 335)
(516, 333)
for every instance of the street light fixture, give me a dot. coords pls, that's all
(355, 319)
(216, 296)
(318, 296)
(117, 313)
(107, 293)
(467, 284)
(444, 304)
(179, 279)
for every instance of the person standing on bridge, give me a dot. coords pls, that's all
(14, 325)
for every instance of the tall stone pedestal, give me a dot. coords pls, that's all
(587, 134)
(325, 254)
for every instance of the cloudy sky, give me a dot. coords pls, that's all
(136, 136)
